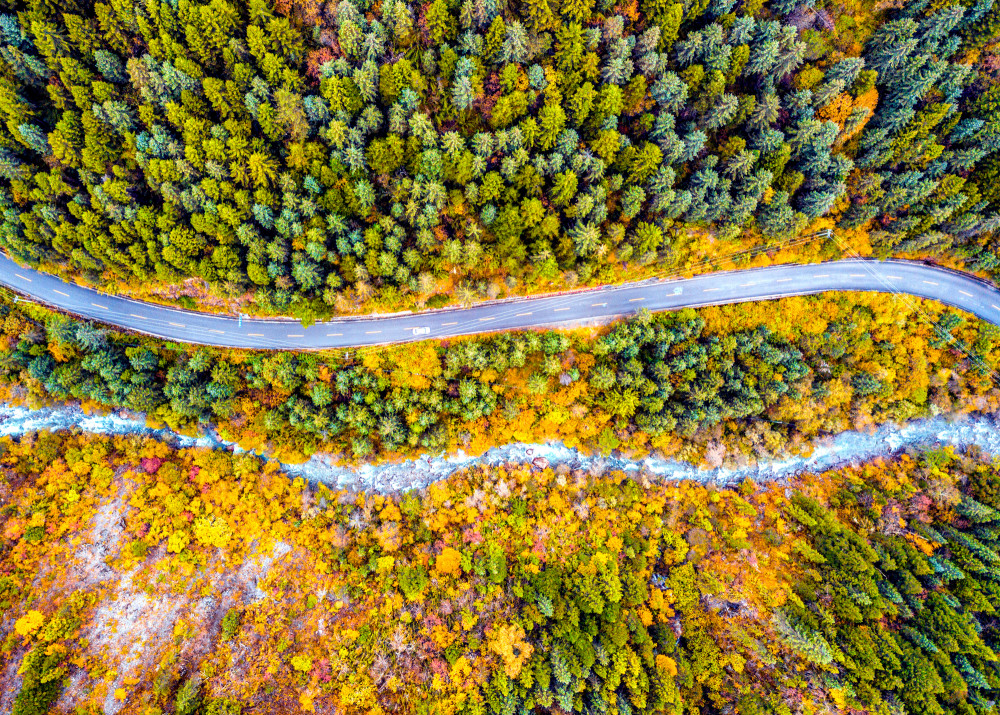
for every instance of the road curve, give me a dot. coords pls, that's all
(564, 310)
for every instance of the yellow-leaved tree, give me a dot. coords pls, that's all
(508, 642)
(29, 623)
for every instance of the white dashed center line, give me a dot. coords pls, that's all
(529, 313)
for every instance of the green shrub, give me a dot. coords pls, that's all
(188, 697)
(230, 624)
(224, 706)
(41, 683)
(138, 548)
(34, 534)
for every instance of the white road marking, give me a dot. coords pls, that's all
(524, 314)
(996, 306)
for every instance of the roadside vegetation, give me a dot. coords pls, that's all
(715, 383)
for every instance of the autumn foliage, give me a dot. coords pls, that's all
(717, 383)
(563, 590)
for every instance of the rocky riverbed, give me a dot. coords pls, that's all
(829, 452)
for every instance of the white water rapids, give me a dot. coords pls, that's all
(828, 452)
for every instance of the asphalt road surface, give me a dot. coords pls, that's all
(564, 310)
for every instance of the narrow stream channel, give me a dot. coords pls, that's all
(829, 452)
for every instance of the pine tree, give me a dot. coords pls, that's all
(515, 47)
(763, 58)
(539, 15)
(976, 512)
(577, 10)
(33, 138)
(441, 22)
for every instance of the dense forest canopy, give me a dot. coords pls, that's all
(315, 153)
(872, 589)
(748, 378)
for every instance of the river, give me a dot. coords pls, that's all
(828, 452)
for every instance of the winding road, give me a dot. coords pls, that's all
(572, 308)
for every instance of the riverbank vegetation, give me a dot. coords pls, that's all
(138, 577)
(713, 383)
(307, 157)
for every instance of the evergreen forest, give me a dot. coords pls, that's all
(314, 155)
